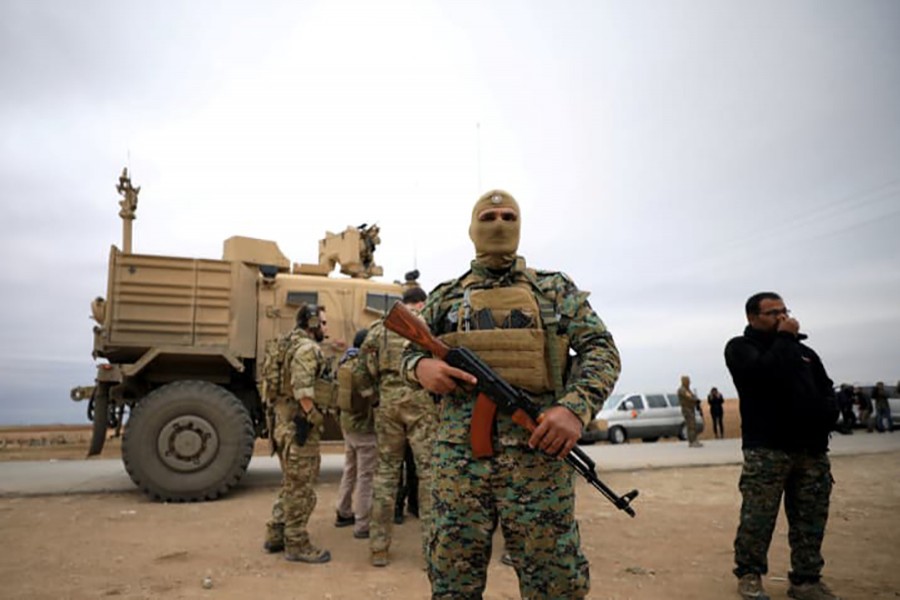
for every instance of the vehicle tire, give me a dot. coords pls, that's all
(188, 441)
(682, 432)
(99, 418)
(617, 435)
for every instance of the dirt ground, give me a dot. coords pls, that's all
(679, 546)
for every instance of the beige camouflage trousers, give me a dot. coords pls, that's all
(690, 421)
(299, 468)
(413, 417)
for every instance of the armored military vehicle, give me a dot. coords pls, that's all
(178, 340)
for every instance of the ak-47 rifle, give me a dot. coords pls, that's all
(494, 393)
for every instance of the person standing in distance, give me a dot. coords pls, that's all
(716, 411)
(523, 324)
(689, 403)
(296, 434)
(788, 409)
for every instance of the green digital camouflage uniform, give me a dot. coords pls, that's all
(402, 414)
(530, 494)
(299, 464)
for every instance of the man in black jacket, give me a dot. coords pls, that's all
(788, 409)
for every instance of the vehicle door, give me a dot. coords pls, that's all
(674, 412)
(657, 418)
(630, 415)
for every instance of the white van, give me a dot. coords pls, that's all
(639, 416)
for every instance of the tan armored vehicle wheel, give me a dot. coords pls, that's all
(188, 441)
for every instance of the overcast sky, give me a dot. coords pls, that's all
(673, 157)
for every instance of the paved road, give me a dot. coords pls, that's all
(28, 478)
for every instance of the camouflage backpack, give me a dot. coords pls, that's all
(275, 372)
(348, 398)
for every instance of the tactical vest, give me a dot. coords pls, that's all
(515, 330)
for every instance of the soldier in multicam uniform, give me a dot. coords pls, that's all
(689, 403)
(402, 414)
(295, 418)
(787, 408)
(523, 323)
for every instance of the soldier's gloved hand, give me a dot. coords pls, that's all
(558, 430)
(315, 417)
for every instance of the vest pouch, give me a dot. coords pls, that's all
(345, 386)
(325, 393)
(517, 355)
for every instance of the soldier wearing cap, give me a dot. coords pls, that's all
(529, 326)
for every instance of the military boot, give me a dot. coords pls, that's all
(380, 558)
(274, 539)
(342, 521)
(811, 591)
(750, 587)
(309, 554)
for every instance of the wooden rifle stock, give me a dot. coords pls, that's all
(402, 321)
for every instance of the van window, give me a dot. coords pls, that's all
(673, 400)
(612, 401)
(656, 401)
(636, 401)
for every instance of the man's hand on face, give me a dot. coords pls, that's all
(789, 324)
(558, 430)
(440, 378)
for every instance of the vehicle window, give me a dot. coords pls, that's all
(298, 298)
(612, 401)
(673, 400)
(380, 302)
(656, 401)
(636, 401)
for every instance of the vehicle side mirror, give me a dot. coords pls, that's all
(629, 405)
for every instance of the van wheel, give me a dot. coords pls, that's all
(617, 435)
(682, 433)
(188, 441)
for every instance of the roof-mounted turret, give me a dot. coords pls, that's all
(353, 249)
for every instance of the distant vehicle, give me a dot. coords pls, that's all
(647, 417)
(178, 340)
